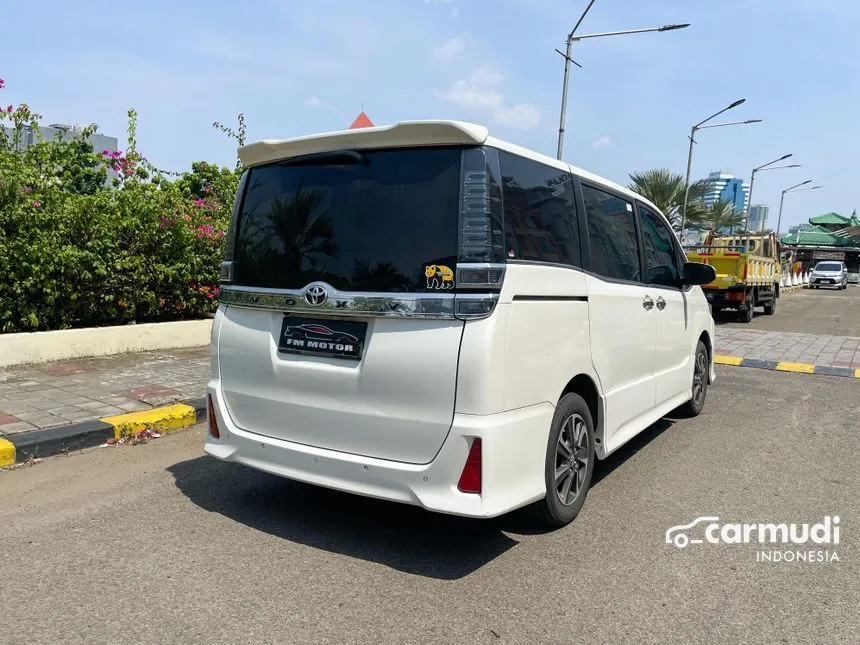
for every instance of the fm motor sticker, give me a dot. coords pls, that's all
(439, 277)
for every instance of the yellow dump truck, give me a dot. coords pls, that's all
(745, 279)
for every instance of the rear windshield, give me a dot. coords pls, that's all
(360, 221)
(828, 266)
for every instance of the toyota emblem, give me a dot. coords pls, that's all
(315, 295)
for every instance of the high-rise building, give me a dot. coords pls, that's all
(725, 186)
(758, 217)
(799, 228)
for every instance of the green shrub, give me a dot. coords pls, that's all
(75, 252)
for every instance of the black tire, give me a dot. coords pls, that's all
(694, 406)
(770, 308)
(572, 417)
(747, 315)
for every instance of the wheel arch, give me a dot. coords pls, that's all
(705, 337)
(586, 387)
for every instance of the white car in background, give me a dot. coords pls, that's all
(426, 314)
(830, 273)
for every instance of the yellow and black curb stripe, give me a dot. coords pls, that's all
(55, 441)
(785, 366)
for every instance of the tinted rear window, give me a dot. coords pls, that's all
(373, 224)
(829, 266)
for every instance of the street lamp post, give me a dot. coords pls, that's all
(701, 126)
(572, 38)
(782, 198)
(768, 166)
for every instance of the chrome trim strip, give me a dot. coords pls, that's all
(355, 304)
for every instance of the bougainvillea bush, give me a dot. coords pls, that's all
(78, 250)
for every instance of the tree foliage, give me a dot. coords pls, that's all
(666, 190)
(76, 250)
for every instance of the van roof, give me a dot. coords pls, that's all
(407, 133)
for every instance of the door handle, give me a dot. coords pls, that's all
(648, 303)
(661, 304)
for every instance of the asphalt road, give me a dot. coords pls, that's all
(810, 311)
(160, 544)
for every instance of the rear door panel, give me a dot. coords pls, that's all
(396, 403)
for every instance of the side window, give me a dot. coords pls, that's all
(612, 235)
(661, 258)
(540, 212)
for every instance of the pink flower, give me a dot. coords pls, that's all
(36, 203)
(2, 83)
(9, 109)
(199, 202)
(28, 189)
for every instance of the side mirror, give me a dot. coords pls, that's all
(698, 273)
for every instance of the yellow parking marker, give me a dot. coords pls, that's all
(7, 452)
(164, 419)
(802, 368)
(727, 360)
(857, 373)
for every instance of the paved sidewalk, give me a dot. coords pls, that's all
(57, 394)
(814, 349)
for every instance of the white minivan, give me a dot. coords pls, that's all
(426, 314)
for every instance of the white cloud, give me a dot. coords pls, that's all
(455, 11)
(312, 101)
(602, 142)
(449, 50)
(481, 92)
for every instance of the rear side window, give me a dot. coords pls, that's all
(540, 212)
(661, 258)
(361, 221)
(611, 235)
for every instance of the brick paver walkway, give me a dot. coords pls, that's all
(833, 351)
(44, 396)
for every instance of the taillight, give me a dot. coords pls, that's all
(213, 422)
(481, 255)
(470, 479)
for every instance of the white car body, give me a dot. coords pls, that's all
(398, 423)
(829, 273)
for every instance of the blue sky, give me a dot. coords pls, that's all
(296, 67)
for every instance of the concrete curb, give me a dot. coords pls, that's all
(86, 434)
(785, 366)
(70, 344)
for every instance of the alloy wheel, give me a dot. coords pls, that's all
(571, 459)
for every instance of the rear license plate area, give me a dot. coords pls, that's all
(323, 337)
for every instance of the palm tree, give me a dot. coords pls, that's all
(305, 230)
(666, 189)
(719, 216)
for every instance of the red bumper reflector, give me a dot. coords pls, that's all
(213, 422)
(470, 479)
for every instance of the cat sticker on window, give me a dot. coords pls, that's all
(439, 277)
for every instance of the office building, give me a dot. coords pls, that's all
(758, 217)
(726, 187)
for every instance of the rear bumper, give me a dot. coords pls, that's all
(513, 455)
